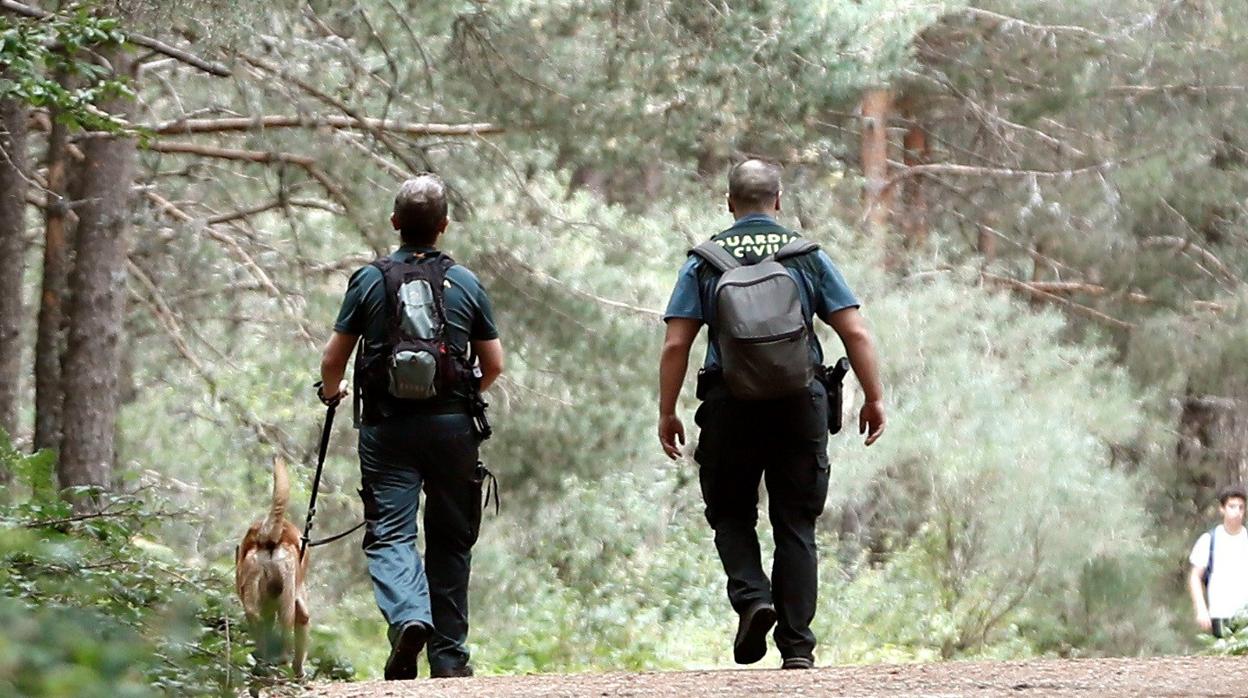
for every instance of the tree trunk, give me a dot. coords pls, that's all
(49, 344)
(13, 174)
(877, 105)
(914, 202)
(96, 304)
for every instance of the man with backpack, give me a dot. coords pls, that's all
(1220, 567)
(427, 348)
(765, 412)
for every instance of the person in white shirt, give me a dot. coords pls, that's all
(1223, 554)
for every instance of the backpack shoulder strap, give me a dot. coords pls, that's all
(795, 248)
(716, 255)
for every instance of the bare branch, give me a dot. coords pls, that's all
(275, 121)
(136, 39)
(246, 213)
(169, 209)
(211, 151)
(267, 433)
(379, 134)
(259, 156)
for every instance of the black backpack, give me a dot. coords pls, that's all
(416, 365)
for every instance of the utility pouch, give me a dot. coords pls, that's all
(708, 378)
(832, 378)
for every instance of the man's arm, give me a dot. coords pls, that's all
(489, 353)
(1196, 586)
(850, 327)
(673, 363)
(334, 362)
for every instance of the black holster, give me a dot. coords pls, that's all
(708, 378)
(832, 378)
(480, 423)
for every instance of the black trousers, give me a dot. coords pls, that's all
(398, 458)
(783, 443)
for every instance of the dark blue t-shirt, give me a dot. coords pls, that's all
(822, 288)
(469, 315)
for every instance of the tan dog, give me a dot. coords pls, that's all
(269, 578)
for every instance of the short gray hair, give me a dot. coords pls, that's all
(420, 205)
(754, 182)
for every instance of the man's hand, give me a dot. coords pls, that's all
(1204, 621)
(671, 429)
(871, 417)
(332, 400)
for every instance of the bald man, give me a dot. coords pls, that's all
(781, 441)
(423, 436)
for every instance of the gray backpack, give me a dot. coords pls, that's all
(763, 336)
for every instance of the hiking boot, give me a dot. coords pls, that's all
(459, 672)
(798, 663)
(751, 642)
(408, 642)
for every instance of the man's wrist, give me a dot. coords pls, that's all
(320, 395)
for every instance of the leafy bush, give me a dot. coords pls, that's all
(93, 605)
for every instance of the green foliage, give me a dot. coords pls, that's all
(93, 605)
(42, 58)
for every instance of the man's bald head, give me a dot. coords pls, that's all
(754, 184)
(420, 208)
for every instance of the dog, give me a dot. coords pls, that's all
(269, 576)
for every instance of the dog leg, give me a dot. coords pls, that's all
(302, 625)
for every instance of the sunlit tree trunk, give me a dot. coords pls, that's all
(876, 107)
(914, 201)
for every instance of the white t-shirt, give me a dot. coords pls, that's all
(1228, 585)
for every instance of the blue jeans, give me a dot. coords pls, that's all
(398, 458)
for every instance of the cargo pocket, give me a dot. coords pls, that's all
(370, 515)
(711, 433)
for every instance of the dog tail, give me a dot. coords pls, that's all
(273, 523)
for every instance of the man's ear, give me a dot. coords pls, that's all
(731, 207)
(442, 225)
(394, 220)
(777, 202)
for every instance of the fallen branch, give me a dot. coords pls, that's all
(977, 171)
(1074, 307)
(136, 39)
(1187, 246)
(1050, 28)
(1055, 289)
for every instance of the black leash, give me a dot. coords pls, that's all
(305, 542)
(331, 539)
(316, 481)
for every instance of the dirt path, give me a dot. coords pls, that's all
(1166, 676)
